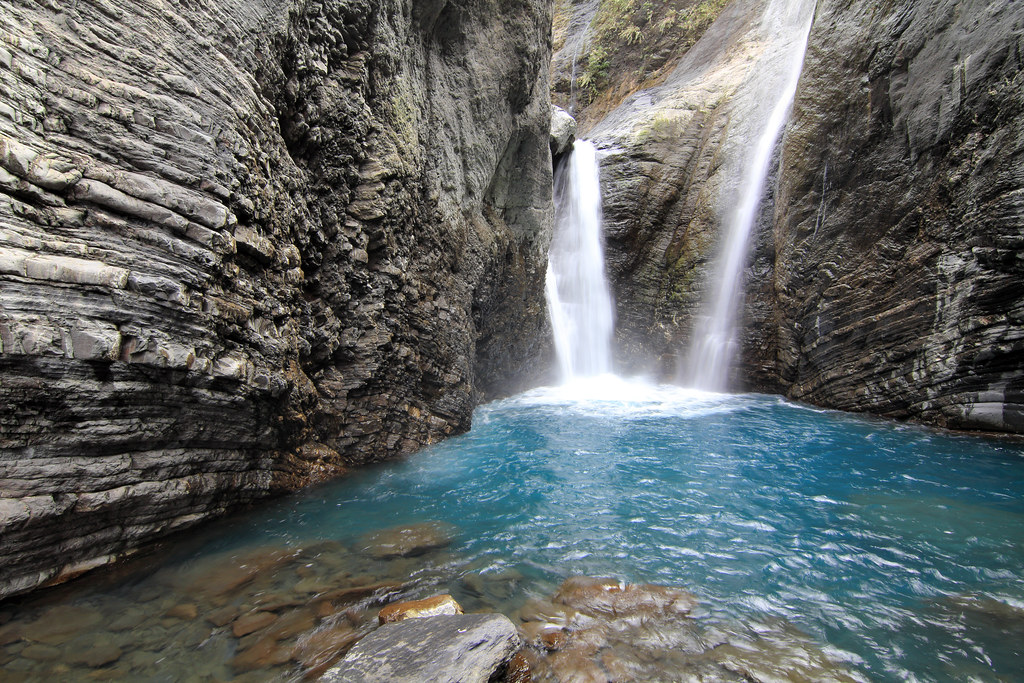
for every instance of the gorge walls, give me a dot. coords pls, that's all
(244, 245)
(673, 159)
(886, 266)
(899, 237)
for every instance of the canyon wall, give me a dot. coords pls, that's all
(672, 158)
(245, 245)
(899, 236)
(886, 267)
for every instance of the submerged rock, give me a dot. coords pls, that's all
(60, 624)
(610, 597)
(408, 541)
(445, 649)
(319, 649)
(263, 653)
(254, 621)
(600, 630)
(418, 609)
(219, 577)
(98, 655)
(563, 131)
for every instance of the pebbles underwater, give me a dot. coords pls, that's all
(290, 613)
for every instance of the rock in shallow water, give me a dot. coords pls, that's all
(408, 541)
(445, 649)
(614, 598)
(598, 630)
(435, 606)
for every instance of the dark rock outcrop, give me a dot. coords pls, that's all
(244, 245)
(899, 279)
(467, 648)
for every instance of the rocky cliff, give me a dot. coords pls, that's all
(672, 160)
(244, 245)
(886, 267)
(899, 234)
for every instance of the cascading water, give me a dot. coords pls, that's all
(785, 25)
(579, 302)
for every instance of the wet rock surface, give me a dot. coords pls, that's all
(599, 630)
(449, 649)
(245, 246)
(437, 605)
(258, 614)
(885, 271)
(672, 158)
(563, 131)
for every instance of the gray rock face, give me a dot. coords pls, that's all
(671, 161)
(900, 252)
(245, 245)
(447, 649)
(886, 273)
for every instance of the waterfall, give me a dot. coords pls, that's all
(579, 302)
(785, 27)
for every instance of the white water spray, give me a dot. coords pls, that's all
(785, 25)
(579, 302)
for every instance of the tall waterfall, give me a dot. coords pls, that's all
(579, 302)
(785, 26)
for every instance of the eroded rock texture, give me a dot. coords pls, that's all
(243, 245)
(900, 232)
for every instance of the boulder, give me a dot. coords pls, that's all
(417, 609)
(446, 649)
(563, 131)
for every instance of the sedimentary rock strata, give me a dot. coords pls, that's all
(899, 279)
(468, 648)
(672, 158)
(245, 245)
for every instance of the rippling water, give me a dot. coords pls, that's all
(898, 550)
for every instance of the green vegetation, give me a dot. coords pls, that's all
(634, 44)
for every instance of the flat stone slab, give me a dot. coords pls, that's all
(446, 649)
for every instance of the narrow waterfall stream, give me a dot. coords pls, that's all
(786, 24)
(579, 301)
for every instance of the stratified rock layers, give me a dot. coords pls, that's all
(243, 245)
(887, 270)
(899, 280)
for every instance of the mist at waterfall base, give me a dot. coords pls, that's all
(895, 550)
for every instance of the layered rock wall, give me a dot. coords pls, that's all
(672, 159)
(244, 245)
(900, 217)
